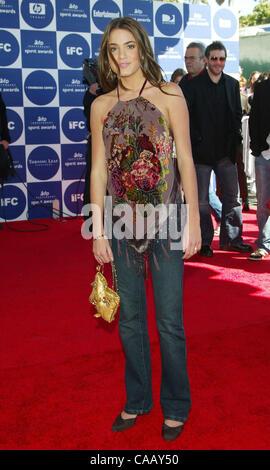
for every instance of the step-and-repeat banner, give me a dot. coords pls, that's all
(42, 46)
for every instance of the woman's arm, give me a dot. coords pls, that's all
(101, 247)
(179, 123)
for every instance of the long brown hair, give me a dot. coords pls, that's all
(250, 83)
(151, 70)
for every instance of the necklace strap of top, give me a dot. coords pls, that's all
(141, 90)
(143, 87)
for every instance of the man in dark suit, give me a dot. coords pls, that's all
(213, 99)
(4, 132)
(194, 60)
(259, 130)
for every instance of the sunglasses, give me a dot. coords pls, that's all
(192, 57)
(215, 59)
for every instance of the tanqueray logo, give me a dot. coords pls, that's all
(43, 162)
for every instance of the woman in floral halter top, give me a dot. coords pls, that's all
(133, 127)
(141, 170)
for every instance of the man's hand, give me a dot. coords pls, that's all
(5, 144)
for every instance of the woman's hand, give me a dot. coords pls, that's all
(192, 240)
(102, 251)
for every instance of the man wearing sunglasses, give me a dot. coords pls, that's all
(213, 98)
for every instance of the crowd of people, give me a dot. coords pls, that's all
(216, 105)
(247, 87)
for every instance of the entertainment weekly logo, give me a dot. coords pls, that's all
(103, 12)
(146, 220)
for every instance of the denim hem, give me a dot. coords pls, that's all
(181, 419)
(262, 247)
(137, 412)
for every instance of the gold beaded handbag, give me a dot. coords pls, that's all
(106, 300)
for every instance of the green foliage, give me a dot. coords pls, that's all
(183, 1)
(259, 16)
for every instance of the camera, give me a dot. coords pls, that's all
(90, 71)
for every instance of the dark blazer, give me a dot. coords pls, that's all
(4, 132)
(183, 80)
(201, 132)
(259, 118)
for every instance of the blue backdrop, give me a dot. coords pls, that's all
(42, 46)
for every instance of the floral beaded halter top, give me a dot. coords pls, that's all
(139, 155)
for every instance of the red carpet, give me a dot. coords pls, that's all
(62, 377)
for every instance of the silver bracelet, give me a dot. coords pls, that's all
(99, 237)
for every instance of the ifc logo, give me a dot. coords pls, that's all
(12, 202)
(15, 125)
(9, 48)
(73, 48)
(73, 197)
(73, 125)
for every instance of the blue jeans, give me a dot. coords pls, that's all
(231, 217)
(167, 287)
(262, 172)
(215, 204)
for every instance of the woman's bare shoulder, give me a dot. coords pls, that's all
(103, 103)
(172, 89)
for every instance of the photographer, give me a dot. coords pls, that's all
(90, 78)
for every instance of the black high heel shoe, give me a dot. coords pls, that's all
(121, 424)
(169, 433)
